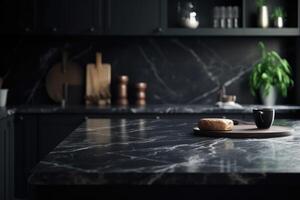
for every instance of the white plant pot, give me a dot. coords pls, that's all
(278, 22)
(263, 17)
(3, 97)
(269, 100)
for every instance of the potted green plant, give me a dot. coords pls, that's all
(271, 74)
(278, 17)
(263, 13)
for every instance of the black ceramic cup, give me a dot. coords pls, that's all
(264, 118)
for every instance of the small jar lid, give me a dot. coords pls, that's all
(141, 85)
(123, 78)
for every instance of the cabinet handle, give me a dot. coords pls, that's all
(92, 29)
(158, 30)
(27, 29)
(54, 29)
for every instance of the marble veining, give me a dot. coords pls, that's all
(44, 68)
(165, 151)
(153, 109)
(178, 70)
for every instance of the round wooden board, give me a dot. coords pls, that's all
(247, 131)
(56, 78)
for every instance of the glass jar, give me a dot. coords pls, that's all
(187, 15)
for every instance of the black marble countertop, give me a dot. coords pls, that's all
(150, 109)
(166, 152)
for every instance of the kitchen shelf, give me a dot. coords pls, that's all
(247, 19)
(283, 32)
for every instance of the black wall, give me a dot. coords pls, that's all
(182, 70)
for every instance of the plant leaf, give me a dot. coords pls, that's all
(263, 49)
(270, 70)
(279, 75)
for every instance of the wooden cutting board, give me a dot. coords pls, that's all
(98, 80)
(91, 84)
(247, 131)
(61, 73)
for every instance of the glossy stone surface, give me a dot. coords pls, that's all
(166, 152)
(150, 109)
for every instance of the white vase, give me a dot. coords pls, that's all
(263, 17)
(3, 97)
(278, 22)
(270, 99)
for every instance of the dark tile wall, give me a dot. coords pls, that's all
(183, 70)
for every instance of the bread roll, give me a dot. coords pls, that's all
(214, 124)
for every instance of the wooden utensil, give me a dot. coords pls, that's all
(98, 80)
(247, 131)
(91, 87)
(61, 73)
(104, 78)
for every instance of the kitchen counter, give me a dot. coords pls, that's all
(160, 158)
(151, 109)
(166, 152)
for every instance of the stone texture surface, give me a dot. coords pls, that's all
(178, 70)
(166, 152)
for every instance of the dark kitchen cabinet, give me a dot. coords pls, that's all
(17, 16)
(26, 137)
(134, 17)
(9, 172)
(6, 158)
(53, 129)
(65, 17)
(8, 16)
(51, 16)
(2, 161)
(26, 16)
(36, 136)
(85, 17)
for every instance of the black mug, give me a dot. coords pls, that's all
(264, 118)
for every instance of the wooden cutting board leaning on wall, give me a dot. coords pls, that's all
(98, 80)
(61, 73)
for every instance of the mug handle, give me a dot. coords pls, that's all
(260, 114)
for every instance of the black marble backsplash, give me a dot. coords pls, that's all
(181, 70)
